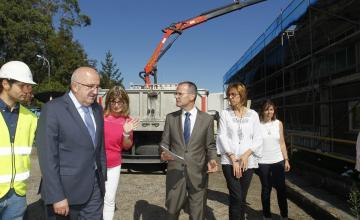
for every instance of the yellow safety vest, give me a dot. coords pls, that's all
(15, 157)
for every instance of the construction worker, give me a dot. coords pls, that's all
(17, 131)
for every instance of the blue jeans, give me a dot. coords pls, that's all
(12, 206)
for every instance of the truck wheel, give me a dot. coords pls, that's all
(149, 149)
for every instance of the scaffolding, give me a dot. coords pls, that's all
(308, 63)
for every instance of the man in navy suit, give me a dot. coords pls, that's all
(71, 151)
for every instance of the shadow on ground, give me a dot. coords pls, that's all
(35, 211)
(145, 168)
(223, 198)
(146, 211)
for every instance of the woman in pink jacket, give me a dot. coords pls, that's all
(118, 131)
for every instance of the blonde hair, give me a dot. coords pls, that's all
(117, 92)
(241, 89)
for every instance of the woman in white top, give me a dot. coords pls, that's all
(274, 162)
(239, 142)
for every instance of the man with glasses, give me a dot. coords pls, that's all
(188, 133)
(70, 140)
(17, 131)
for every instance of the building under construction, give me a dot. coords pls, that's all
(308, 63)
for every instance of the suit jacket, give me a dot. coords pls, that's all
(67, 154)
(200, 149)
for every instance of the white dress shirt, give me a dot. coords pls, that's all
(80, 109)
(193, 113)
(237, 135)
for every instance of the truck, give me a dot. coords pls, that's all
(150, 103)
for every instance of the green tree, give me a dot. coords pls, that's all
(65, 13)
(110, 73)
(24, 30)
(65, 56)
(27, 29)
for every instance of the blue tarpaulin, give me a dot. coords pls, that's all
(284, 21)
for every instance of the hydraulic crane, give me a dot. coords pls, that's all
(176, 29)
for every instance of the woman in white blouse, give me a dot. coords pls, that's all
(274, 162)
(239, 142)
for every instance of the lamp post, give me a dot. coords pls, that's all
(45, 61)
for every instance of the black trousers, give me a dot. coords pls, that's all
(238, 189)
(273, 175)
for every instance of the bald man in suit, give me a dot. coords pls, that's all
(188, 133)
(70, 141)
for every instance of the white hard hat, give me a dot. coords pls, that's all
(18, 71)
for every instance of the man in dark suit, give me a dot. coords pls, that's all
(189, 133)
(71, 151)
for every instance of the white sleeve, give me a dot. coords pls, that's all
(222, 143)
(256, 146)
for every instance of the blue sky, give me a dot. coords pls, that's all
(131, 30)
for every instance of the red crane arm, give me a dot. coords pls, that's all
(177, 28)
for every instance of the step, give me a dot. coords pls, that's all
(318, 202)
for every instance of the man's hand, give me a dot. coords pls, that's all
(165, 156)
(212, 166)
(61, 208)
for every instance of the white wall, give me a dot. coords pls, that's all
(216, 101)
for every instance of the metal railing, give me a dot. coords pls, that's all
(320, 141)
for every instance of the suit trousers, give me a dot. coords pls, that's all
(193, 202)
(238, 189)
(273, 175)
(91, 210)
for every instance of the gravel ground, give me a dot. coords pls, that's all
(141, 195)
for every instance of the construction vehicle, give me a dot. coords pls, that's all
(176, 29)
(152, 102)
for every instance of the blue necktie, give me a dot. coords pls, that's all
(89, 123)
(187, 125)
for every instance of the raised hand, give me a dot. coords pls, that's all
(130, 125)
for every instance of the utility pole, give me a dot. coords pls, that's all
(45, 61)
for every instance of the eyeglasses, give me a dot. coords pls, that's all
(232, 95)
(116, 103)
(89, 86)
